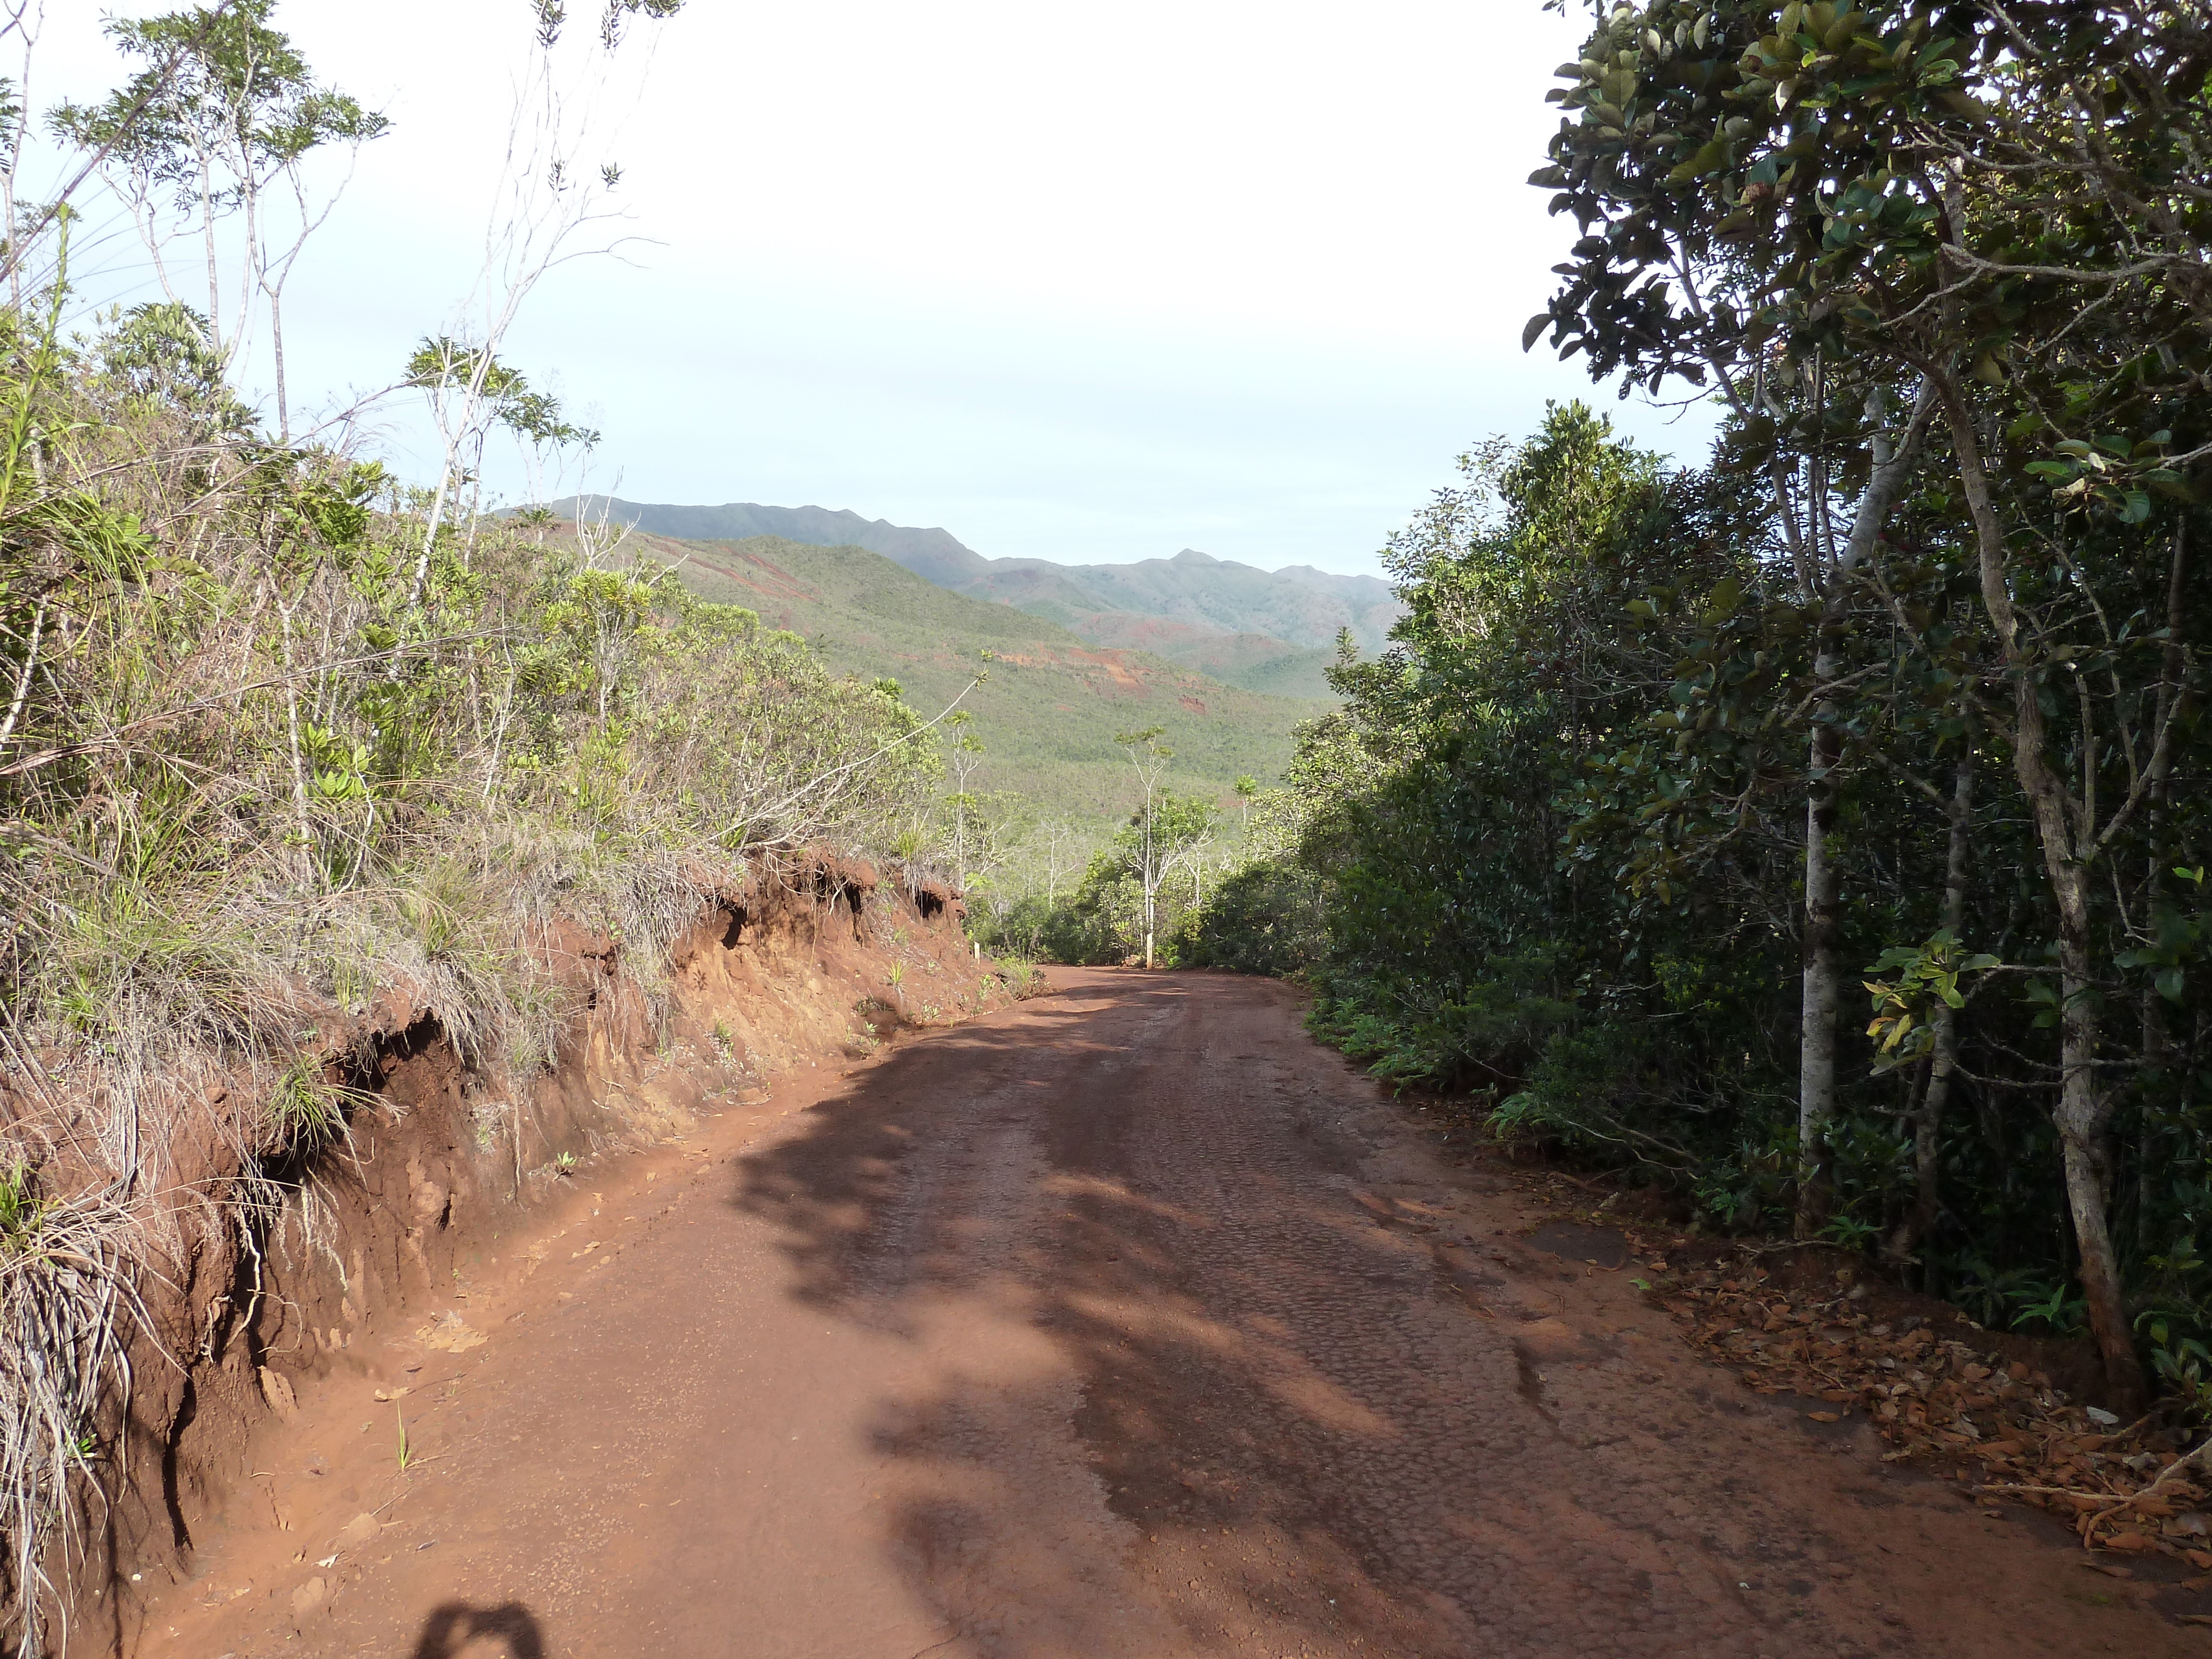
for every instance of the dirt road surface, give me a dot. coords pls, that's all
(1125, 1323)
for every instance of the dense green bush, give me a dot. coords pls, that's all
(1263, 917)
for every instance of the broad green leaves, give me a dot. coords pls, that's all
(1901, 1028)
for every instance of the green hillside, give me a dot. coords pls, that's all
(1303, 674)
(1256, 662)
(1049, 711)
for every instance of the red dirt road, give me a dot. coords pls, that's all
(1123, 1322)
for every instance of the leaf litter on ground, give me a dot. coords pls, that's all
(1938, 1400)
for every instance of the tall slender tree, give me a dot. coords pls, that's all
(1149, 757)
(221, 109)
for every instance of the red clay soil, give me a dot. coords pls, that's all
(787, 975)
(1124, 1322)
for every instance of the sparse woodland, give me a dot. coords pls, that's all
(1820, 833)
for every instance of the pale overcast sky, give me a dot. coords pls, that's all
(1084, 285)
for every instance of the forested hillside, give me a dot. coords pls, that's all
(1256, 662)
(933, 553)
(1819, 834)
(1301, 607)
(1048, 704)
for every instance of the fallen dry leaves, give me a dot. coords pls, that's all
(1940, 1399)
(449, 1332)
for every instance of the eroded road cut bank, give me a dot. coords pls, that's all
(1121, 1322)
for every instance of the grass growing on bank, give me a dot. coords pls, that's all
(270, 752)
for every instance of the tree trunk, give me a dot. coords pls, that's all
(2155, 1054)
(1151, 880)
(207, 230)
(1943, 1059)
(2154, 1061)
(249, 277)
(2100, 1275)
(455, 441)
(430, 534)
(276, 350)
(1822, 985)
(1816, 1033)
(2082, 1114)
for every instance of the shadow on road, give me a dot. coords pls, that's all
(1146, 1158)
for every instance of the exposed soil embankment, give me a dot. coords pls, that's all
(443, 1168)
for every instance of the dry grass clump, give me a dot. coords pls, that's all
(68, 1273)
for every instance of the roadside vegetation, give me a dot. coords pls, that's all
(1819, 834)
(1144, 881)
(285, 742)
(253, 777)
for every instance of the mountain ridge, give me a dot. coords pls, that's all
(1270, 631)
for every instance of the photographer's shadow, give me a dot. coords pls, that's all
(458, 1630)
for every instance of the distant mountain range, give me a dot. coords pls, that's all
(1272, 631)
